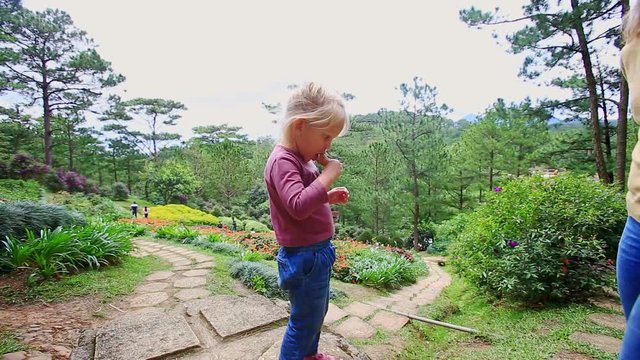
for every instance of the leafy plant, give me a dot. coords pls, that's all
(258, 276)
(17, 217)
(540, 240)
(20, 190)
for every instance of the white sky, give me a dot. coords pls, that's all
(223, 58)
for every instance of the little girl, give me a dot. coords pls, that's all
(299, 199)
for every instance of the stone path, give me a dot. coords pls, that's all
(173, 316)
(615, 321)
(360, 320)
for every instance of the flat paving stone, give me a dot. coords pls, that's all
(159, 275)
(149, 299)
(388, 321)
(181, 263)
(406, 307)
(190, 282)
(602, 342)
(144, 336)
(609, 304)
(334, 314)
(609, 320)
(354, 327)
(205, 265)
(231, 315)
(199, 272)
(152, 287)
(360, 310)
(189, 294)
(182, 268)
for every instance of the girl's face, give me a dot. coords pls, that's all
(311, 141)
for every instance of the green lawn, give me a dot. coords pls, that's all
(506, 332)
(107, 282)
(9, 343)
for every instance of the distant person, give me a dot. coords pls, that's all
(134, 210)
(628, 261)
(145, 211)
(234, 224)
(300, 199)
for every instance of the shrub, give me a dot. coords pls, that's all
(25, 166)
(72, 181)
(380, 269)
(365, 236)
(226, 248)
(4, 170)
(260, 277)
(183, 214)
(252, 225)
(91, 206)
(53, 182)
(17, 217)
(179, 233)
(120, 191)
(20, 190)
(540, 240)
(447, 232)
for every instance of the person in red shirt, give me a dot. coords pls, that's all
(299, 199)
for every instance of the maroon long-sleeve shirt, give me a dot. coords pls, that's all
(299, 204)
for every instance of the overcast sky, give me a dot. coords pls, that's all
(222, 59)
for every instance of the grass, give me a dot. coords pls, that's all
(506, 332)
(126, 204)
(221, 281)
(106, 282)
(9, 344)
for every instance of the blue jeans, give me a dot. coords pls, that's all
(628, 272)
(305, 272)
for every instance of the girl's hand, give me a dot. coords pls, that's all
(339, 195)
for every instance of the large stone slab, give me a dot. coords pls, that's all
(205, 265)
(334, 314)
(360, 310)
(159, 275)
(144, 336)
(602, 342)
(232, 315)
(200, 272)
(190, 282)
(608, 320)
(388, 321)
(189, 294)
(149, 299)
(152, 287)
(355, 328)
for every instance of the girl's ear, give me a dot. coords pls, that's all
(299, 125)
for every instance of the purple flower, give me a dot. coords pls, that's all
(497, 189)
(512, 243)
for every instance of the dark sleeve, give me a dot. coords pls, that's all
(299, 201)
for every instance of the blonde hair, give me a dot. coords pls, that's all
(631, 23)
(318, 106)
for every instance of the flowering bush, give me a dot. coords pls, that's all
(539, 240)
(25, 166)
(182, 214)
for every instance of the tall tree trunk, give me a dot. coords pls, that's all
(601, 164)
(115, 169)
(416, 206)
(623, 110)
(70, 145)
(48, 146)
(129, 184)
(605, 116)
